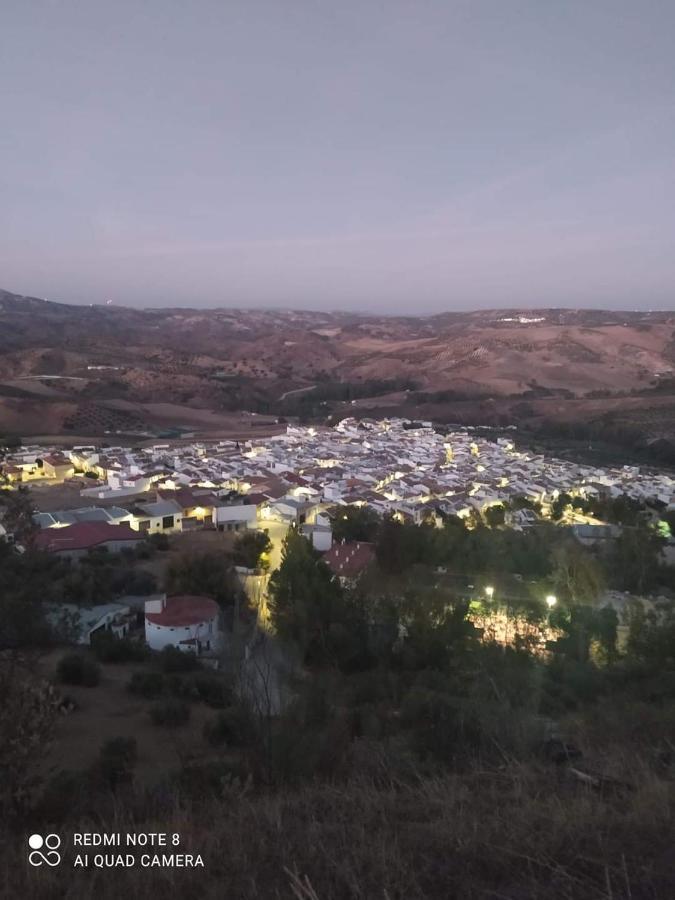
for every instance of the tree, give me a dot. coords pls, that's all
(305, 599)
(355, 523)
(577, 576)
(27, 716)
(203, 573)
(401, 545)
(561, 502)
(434, 629)
(252, 549)
(495, 516)
(18, 511)
(583, 625)
(634, 560)
(75, 668)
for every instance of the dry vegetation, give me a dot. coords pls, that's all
(517, 832)
(108, 711)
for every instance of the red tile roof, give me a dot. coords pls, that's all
(292, 478)
(55, 460)
(83, 536)
(184, 610)
(349, 560)
(254, 499)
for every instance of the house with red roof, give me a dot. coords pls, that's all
(349, 560)
(77, 540)
(188, 622)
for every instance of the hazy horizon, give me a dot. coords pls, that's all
(398, 158)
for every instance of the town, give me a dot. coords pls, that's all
(113, 498)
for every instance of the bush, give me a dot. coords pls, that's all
(140, 582)
(173, 660)
(147, 684)
(74, 668)
(111, 649)
(233, 727)
(158, 541)
(212, 689)
(170, 714)
(205, 687)
(117, 760)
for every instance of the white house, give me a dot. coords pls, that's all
(84, 622)
(320, 536)
(189, 623)
(234, 516)
(162, 515)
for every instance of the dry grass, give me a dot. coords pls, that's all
(521, 832)
(108, 711)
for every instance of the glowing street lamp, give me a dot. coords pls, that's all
(489, 592)
(551, 601)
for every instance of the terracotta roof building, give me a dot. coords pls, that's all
(76, 540)
(349, 560)
(185, 621)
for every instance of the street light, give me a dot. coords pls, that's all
(551, 601)
(489, 592)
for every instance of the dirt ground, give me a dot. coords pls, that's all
(109, 711)
(50, 497)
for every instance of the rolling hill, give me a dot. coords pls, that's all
(60, 364)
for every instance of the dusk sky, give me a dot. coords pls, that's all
(376, 156)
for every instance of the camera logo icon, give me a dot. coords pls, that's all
(38, 855)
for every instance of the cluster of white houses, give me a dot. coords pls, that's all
(394, 466)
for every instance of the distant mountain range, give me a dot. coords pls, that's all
(563, 363)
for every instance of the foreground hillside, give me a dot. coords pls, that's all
(517, 832)
(87, 370)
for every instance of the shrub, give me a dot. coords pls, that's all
(147, 684)
(117, 760)
(212, 689)
(233, 727)
(140, 581)
(158, 541)
(170, 714)
(75, 668)
(173, 660)
(181, 686)
(111, 649)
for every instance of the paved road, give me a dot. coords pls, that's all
(277, 532)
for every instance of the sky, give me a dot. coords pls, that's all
(369, 155)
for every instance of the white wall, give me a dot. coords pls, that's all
(235, 513)
(322, 540)
(159, 636)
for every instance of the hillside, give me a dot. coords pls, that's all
(87, 369)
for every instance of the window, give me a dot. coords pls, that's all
(167, 522)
